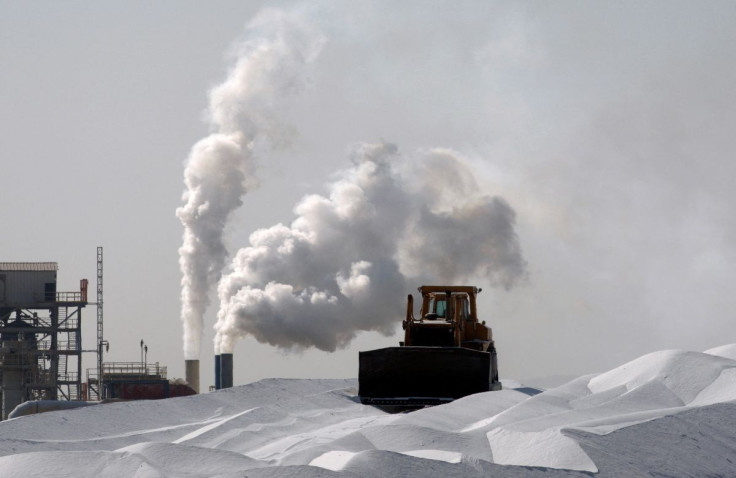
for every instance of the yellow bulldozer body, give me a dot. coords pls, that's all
(447, 353)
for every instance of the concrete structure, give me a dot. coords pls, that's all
(226, 370)
(192, 374)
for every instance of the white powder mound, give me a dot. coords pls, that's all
(547, 448)
(684, 373)
(75, 463)
(655, 385)
(315, 428)
(182, 458)
(333, 460)
(728, 351)
(438, 455)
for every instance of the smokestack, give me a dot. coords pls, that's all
(226, 370)
(192, 373)
(247, 109)
(218, 383)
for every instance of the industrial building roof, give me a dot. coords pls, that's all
(29, 266)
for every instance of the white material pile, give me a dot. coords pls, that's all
(671, 413)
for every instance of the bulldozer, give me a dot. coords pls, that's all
(446, 354)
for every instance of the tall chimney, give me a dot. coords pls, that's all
(218, 383)
(226, 370)
(192, 374)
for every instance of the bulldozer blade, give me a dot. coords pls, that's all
(417, 376)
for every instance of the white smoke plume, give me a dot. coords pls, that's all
(388, 224)
(244, 116)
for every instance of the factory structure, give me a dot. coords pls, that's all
(41, 345)
(40, 335)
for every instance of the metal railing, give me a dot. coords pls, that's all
(68, 377)
(69, 297)
(133, 369)
(69, 324)
(76, 296)
(29, 266)
(70, 345)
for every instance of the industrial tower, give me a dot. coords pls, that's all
(40, 335)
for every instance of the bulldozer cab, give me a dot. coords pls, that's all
(447, 318)
(454, 304)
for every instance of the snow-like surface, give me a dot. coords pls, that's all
(728, 351)
(671, 413)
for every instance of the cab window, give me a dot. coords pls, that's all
(439, 307)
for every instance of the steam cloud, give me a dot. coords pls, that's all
(389, 223)
(243, 113)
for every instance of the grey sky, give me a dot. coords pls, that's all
(607, 127)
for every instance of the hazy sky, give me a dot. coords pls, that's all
(607, 127)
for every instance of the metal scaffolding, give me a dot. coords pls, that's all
(95, 391)
(40, 337)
